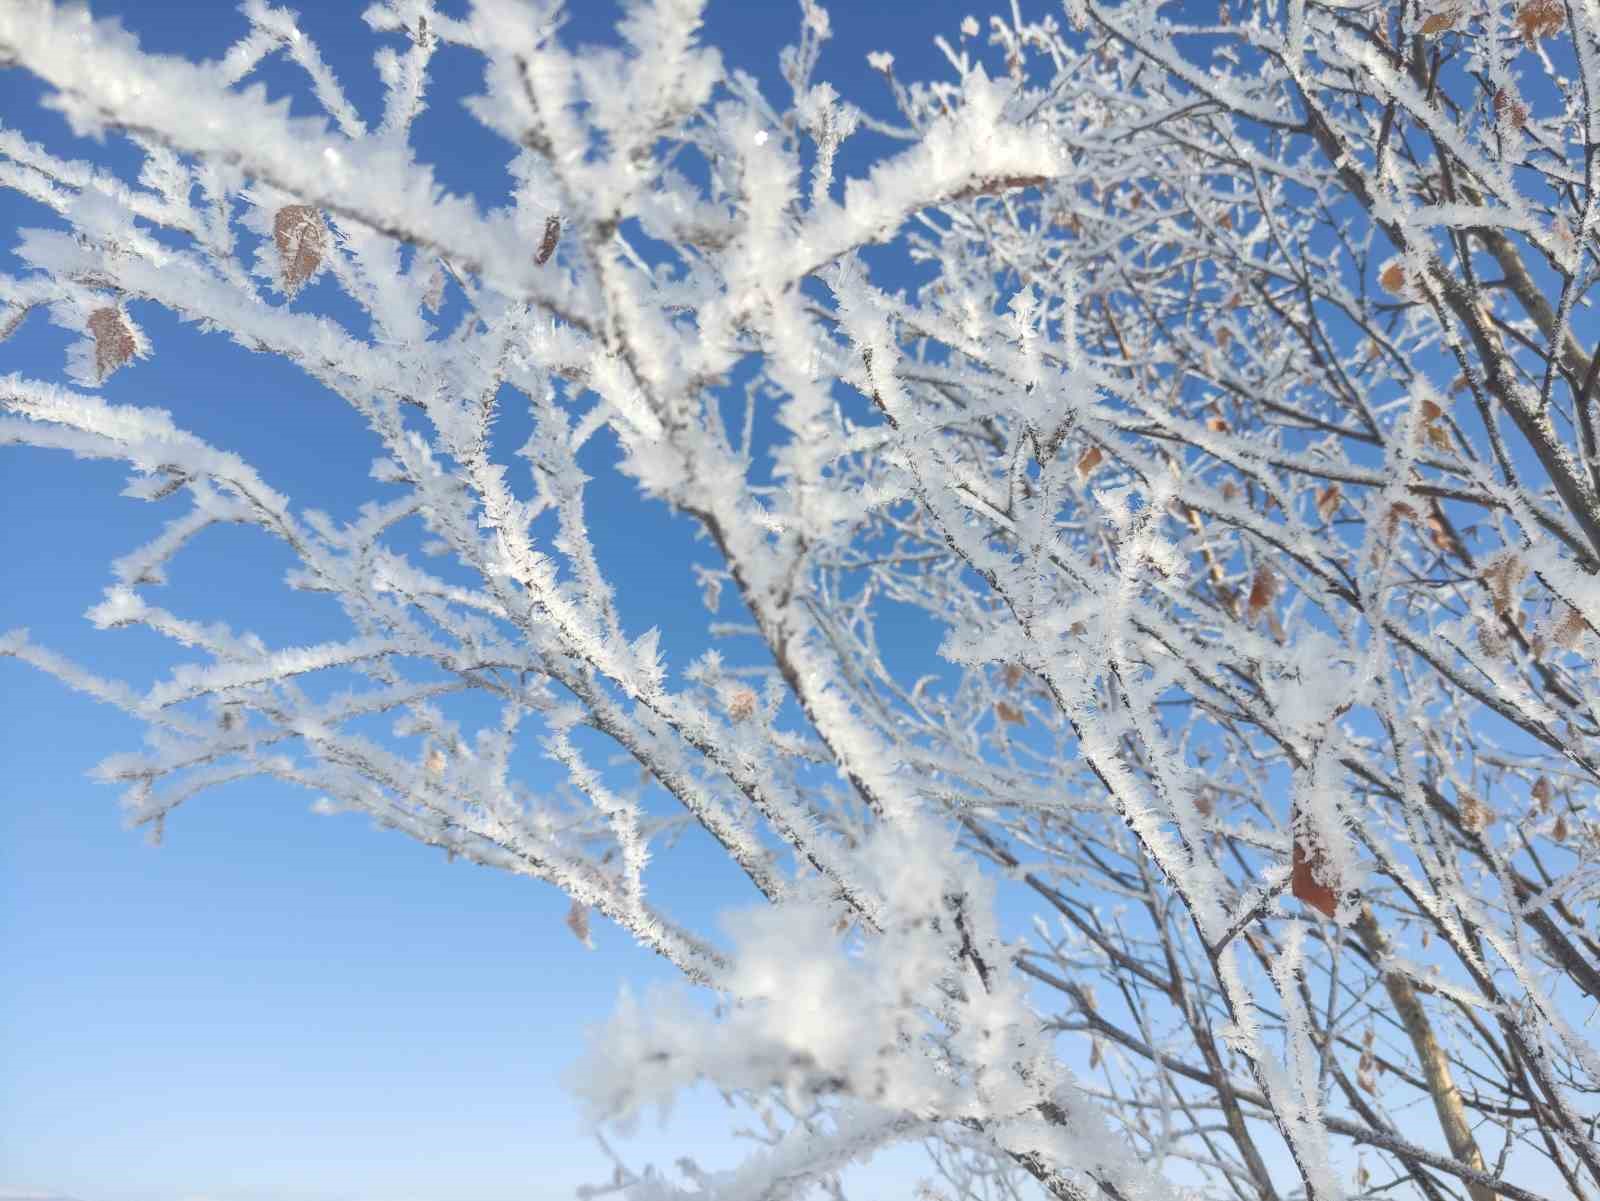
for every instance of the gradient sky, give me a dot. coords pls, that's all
(275, 1004)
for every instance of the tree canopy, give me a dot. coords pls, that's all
(1238, 435)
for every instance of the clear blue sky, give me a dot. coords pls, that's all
(275, 1004)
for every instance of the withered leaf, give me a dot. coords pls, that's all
(1475, 815)
(302, 241)
(1504, 574)
(1328, 502)
(742, 704)
(1088, 461)
(1439, 533)
(1541, 793)
(1307, 871)
(1539, 19)
(114, 342)
(1508, 108)
(1262, 590)
(1569, 630)
(552, 235)
(578, 922)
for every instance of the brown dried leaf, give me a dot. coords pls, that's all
(1328, 501)
(1508, 108)
(114, 343)
(1503, 574)
(1490, 639)
(1475, 815)
(1568, 632)
(578, 922)
(1400, 509)
(1437, 24)
(1217, 425)
(1262, 590)
(1393, 278)
(1539, 19)
(1012, 674)
(547, 246)
(1088, 461)
(1559, 831)
(1304, 879)
(302, 241)
(742, 704)
(1439, 533)
(1541, 793)
(1010, 714)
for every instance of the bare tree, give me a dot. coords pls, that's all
(1241, 441)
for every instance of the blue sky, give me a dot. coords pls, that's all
(275, 1004)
